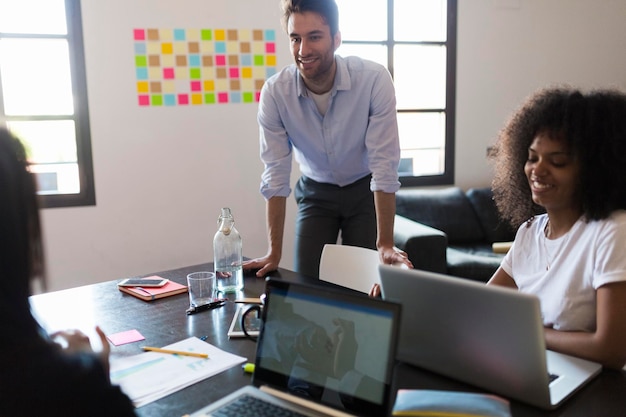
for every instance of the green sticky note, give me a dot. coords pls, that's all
(195, 73)
(141, 61)
(206, 34)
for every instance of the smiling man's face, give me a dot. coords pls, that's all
(313, 48)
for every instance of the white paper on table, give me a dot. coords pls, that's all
(150, 376)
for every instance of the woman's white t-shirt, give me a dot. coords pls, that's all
(566, 272)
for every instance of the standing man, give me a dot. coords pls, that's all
(338, 116)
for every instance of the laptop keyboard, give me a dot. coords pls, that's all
(249, 406)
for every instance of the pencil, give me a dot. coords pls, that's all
(175, 352)
(256, 300)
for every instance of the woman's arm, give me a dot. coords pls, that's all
(500, 277)
(607, 345)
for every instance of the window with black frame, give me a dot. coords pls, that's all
(416, 41)
(43, 96)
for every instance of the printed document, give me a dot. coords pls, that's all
(150, 376)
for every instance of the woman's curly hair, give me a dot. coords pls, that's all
(592, 124)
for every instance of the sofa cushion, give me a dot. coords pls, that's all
(494, 228)
(477, 266)
(448, 210)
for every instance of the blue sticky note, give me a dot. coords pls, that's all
(179, 34)
(142, 73)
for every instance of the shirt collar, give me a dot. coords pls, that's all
(342, 78)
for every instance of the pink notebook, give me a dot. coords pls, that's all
(153, 293)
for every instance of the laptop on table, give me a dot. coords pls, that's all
(487, 336)
(320, 352)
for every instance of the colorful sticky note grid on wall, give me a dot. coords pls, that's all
(181, 67)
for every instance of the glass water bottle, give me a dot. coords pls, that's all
(227, 254)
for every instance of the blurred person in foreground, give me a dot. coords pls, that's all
(38, 376)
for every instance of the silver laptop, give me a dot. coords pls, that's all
(321, 353)
(487, 336)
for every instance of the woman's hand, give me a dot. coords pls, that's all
(75, 341)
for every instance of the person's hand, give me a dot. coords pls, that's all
(106, 349)
(394, 256)
(375, 291)
(74, 341)
(265, 265)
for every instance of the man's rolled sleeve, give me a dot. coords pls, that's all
(382, 138)
(275, 149)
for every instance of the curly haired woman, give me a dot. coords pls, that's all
(560, 176)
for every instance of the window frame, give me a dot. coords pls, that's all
(86, 196)
(447, 177)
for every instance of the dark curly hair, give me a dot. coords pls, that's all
(592, 124)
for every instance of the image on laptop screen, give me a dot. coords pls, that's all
(327, 348)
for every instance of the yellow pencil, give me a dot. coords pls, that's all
(176, 352)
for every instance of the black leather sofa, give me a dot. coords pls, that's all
(450, 231)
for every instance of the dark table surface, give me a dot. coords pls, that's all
(163, 322)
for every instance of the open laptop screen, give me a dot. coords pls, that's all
(336, 348)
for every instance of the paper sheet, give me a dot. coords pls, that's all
(150, 376)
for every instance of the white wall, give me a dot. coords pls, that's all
(507, 49)
(162, 174)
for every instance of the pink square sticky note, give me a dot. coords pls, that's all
(220, 60)
(144, 100)
(139, 34)
(270, 47)
(168, 73)
(128, 336)
(196, 86)
(222, 97)
(183, 99)
(234, 72)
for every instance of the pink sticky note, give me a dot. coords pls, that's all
(168, 73)
(128, 336)
(139, 34)
(183, 99)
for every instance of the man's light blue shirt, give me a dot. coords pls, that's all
(357, 136)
